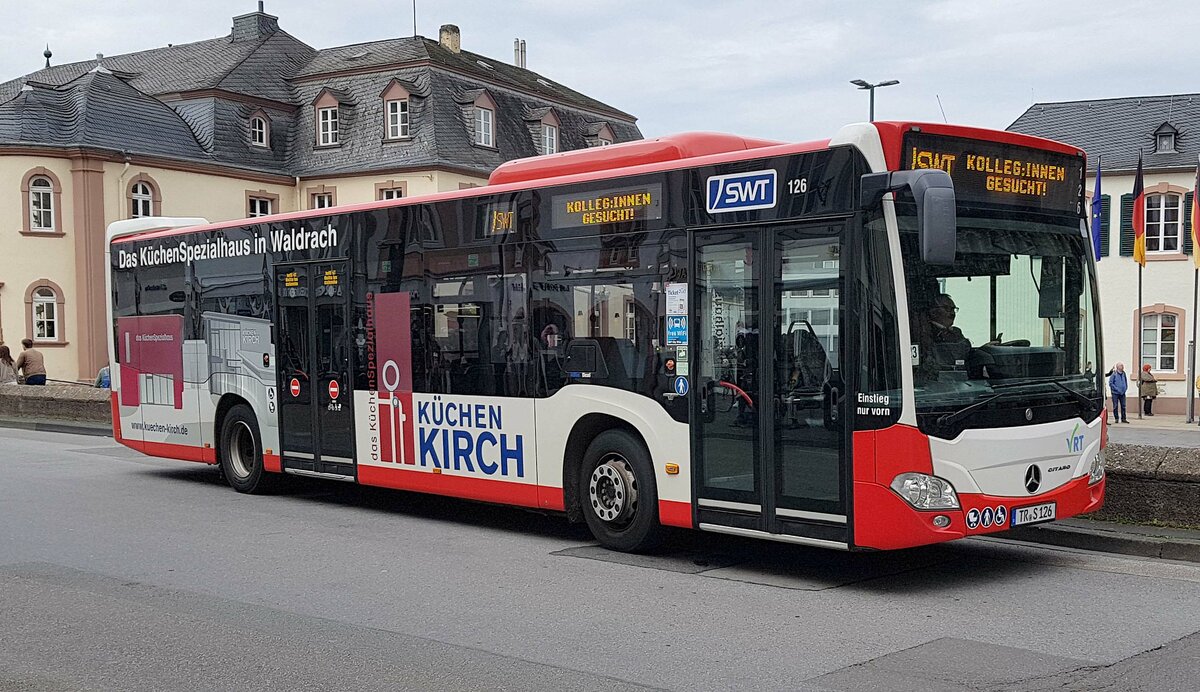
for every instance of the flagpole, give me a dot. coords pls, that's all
(1191, 387)
(1140, 404)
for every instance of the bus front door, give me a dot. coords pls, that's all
(768, 398)
(316, 414)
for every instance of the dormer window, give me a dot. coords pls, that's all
(397, 116)
(260, 130)
(599, 135)
(549, 139)
(484, 132)
(1164, 139)
(327, 116)
(328, 124)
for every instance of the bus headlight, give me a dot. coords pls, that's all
(1096, 474)
(925, 492)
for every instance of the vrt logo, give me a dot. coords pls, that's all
(1075, 442)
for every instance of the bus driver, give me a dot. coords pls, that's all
(943, 346)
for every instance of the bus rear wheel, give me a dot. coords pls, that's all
(240, 451)
(620, 497)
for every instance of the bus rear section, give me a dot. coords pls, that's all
(826, 343)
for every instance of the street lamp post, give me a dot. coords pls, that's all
(864, 84)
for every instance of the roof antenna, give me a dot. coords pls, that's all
(47, 54)
(943, 110)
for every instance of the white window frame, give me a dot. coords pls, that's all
(1159, 228)
(141, 200)
(605, 142)
(327, 119)
(391, 193)
(1164, 142)
(485, 126)
(41, 203)
(45, 314)
(549, 139)
(1153, 324)
(260, 206)
(398, 120)
(322, 200)
(258, 132)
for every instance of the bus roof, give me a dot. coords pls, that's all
(684, 150)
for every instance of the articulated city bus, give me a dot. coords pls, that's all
(885, 339)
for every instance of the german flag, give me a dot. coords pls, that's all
(1139, 217)
(1196, 219)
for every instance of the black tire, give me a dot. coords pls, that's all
(618, 493)
(239, 451)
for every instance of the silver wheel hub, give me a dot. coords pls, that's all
(612, 490)
(241, 450)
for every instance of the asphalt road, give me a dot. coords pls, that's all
(119, 571)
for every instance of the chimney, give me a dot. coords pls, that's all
(255, 25)
(450, 38)
(519, 52)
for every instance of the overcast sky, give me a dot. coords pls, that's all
(768, 69)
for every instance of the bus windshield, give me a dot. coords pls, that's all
(1008, 330)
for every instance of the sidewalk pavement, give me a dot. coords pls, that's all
(1111, 537)
(58, 426)
(1159, 430)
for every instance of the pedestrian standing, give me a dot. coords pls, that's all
(32, 363)
(1147, 389)
(1118, 384)
(8, 369)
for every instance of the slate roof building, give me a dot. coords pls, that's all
(256, 122)
(1166, 131)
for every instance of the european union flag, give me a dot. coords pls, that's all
(1096, 210)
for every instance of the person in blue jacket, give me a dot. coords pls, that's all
(1118, 384)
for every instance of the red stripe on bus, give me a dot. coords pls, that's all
(206, 455)
(500, 492)
(116, 415)
(672, 513)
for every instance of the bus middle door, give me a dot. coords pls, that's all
(316, 413)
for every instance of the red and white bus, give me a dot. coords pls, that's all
(885, 339)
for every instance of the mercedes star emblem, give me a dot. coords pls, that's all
(1033, 478)
(1028, 414)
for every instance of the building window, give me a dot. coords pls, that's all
(321, 200)
(397, 119)
(483, 127)
(1165, 142)
(602, 142)
(41, 204)
(1159, 341)
(258, 131)
(328, 118)
(45, 315)
(549, 139)
(141, 197)
(259, 206)
(1163, 222)
(391, 193)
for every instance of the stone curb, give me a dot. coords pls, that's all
(1109, 540)
(69, 427)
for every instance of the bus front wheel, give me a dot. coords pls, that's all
(240, 451)
(620, 497)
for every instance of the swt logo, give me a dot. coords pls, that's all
(1075, 442)
(740, 191)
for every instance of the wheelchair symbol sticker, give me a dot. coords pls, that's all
(681, 386)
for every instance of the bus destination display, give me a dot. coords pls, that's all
(998, 173)
(618, 205)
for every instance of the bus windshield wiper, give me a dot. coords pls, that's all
(951, 418)
(1080, 396)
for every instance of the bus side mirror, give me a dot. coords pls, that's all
(933, 191)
